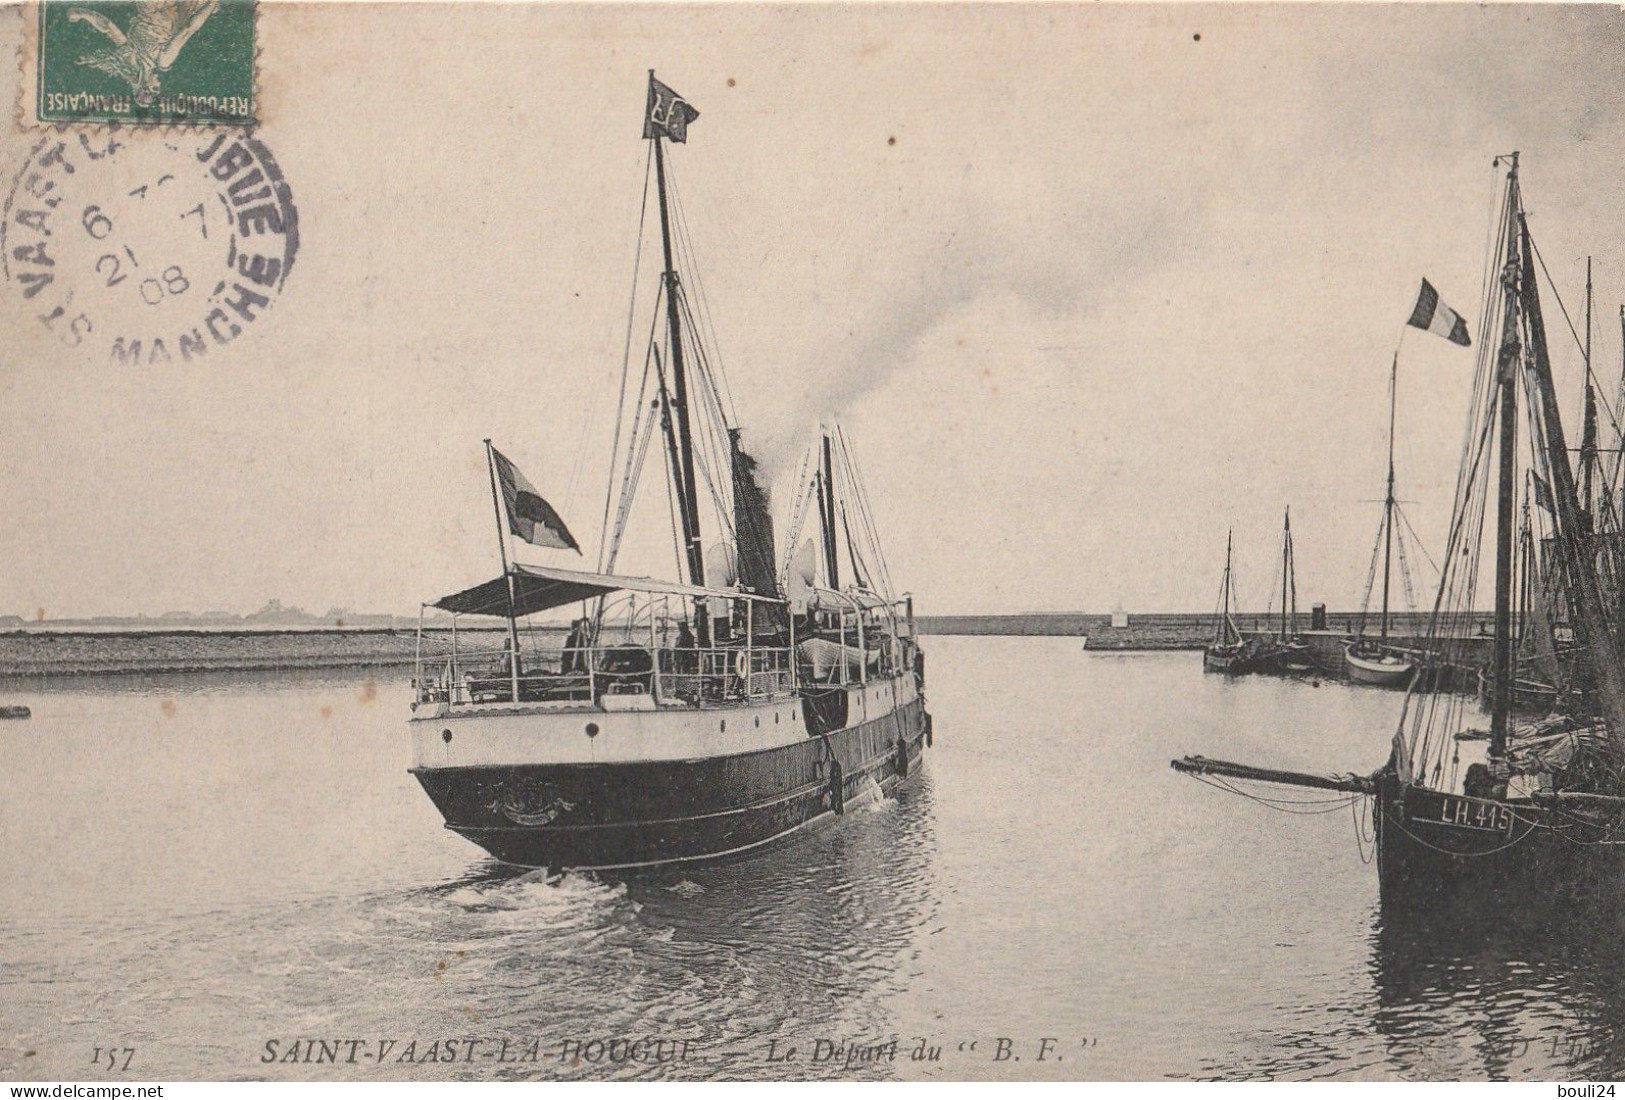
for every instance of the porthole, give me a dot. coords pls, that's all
(592, 729)
(724, 726)
(758, 721)
(445, 735)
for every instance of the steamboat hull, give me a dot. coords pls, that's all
(645, 813)
(1440, 852)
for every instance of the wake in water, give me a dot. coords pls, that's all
(560, 893)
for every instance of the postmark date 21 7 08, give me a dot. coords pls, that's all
(146, 249)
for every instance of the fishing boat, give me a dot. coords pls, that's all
(683, 718)
(1538, 671)
(1378, 664)
(1292, 652)
(1231, 652)
(1500, 814)
(1373, 660)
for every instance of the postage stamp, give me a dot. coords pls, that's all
(147, 249)
(143, 63)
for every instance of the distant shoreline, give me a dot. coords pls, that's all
(43, 652)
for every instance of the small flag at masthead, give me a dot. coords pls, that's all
(668, 113)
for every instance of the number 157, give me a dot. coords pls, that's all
(112, 1054)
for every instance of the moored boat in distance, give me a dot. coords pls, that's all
(685, 719)
(1379, 665)
(1229, 652)
(1293, 653)
(1373, 660)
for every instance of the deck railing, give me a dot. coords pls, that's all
(652, 666)
(667, 676)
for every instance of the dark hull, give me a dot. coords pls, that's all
(1216, 659)
(640, 814)
(1439, 852)
(1527, 695)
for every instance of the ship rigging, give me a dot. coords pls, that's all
(1516, 811)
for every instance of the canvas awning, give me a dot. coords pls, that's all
(825, 599)
(539, 588)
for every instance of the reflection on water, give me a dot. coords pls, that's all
(211, 869)
(1539, 996)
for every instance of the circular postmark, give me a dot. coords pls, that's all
(147, 249)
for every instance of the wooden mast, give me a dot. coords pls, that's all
(1588, 436)
(1388, 501)
(1507, 370)
(1292, 575)
(1596, 641)
(679, 402)
(1286, 558)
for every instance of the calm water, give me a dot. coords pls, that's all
(196, 867)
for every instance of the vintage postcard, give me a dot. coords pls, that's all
(574, 542)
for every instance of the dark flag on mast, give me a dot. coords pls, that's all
(668, 114)
(529, 516)
(1438, 318)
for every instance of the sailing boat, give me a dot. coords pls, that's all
(1542, 657)
(1229, 652)
(1367, 661)
(1537, 669)
(1542, 813)
(681, 719)
(1292, 652)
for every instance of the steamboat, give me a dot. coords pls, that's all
(679, 719)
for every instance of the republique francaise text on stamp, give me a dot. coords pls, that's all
(146, 63)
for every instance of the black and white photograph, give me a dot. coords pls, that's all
(811, 542)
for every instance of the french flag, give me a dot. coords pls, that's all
(1438, 318)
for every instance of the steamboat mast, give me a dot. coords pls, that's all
(687, 497)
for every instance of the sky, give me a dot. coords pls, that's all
(1088, 287)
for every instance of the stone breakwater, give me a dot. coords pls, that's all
(40, 653)
(32, 653)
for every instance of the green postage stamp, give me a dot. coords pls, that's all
(140, 62)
